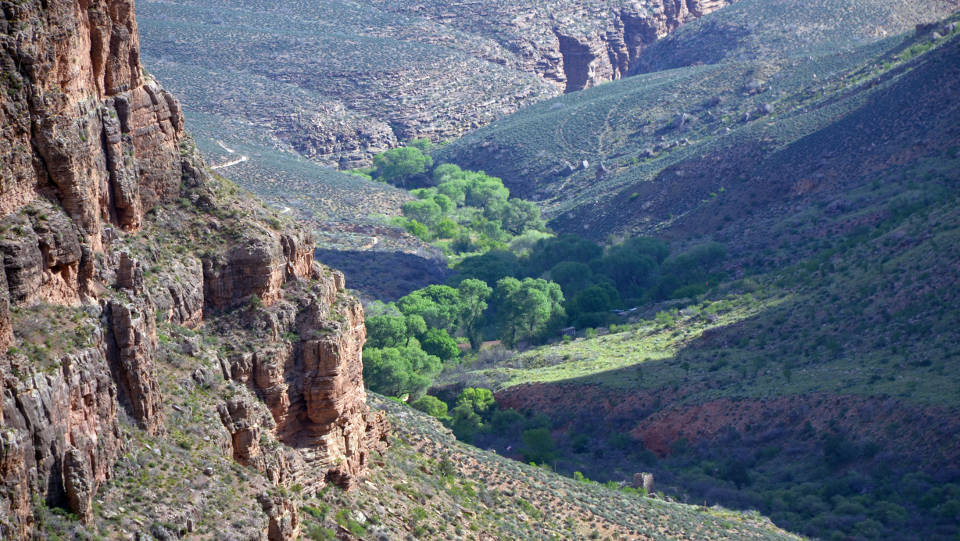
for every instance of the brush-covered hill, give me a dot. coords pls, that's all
(430, 486)
(336, 81)
(819, 382)
(618, 158)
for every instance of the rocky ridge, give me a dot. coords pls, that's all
(572, 46)
(453, 67)
(110, 229)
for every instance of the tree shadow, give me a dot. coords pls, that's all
(384, 275)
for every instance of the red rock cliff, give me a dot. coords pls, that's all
(81, 123)
(88, 146)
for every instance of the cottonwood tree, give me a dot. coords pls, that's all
(528, 308)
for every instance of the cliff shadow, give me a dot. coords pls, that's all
(386, 276)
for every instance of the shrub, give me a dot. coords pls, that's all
(432, 406)
(538, 445)
(398, 165)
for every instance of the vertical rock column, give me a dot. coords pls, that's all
(130, 351)
(6, 325)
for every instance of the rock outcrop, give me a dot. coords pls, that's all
(109, 227)
(284, 520)
(308, 375)
(60, 436)
(81, 122)
(132, 340)
(582, 56)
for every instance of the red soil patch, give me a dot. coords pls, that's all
(661, 418)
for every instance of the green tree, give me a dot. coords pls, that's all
(519, 215)
(485, 190)
(425, 211)
(447, 229)
(465, 422)
(655, 248)
(538, 445)
(438, 305)
(423, 145)
(384, 371)
(423, 193)
(490, 229)
(399, 371)
(418, 230)
(632, 272)
(432, 406)
(446, 172)
(548, 252)
(463, 243)
(698, 266)
(489, 267)
(444, 202)
(523, 244)
(506, 422)
(398, 165)
(416, 326)
(455, 189)
(478, 398)
(573, 276)
(595, 300)
(473, 303)
(527, 309)
(439, 343)
(386, 331)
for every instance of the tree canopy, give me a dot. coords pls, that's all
(396, 166)
(400, 370)
(528, 308)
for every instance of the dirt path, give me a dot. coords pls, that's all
(231, 163)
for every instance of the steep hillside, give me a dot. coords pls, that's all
(765, 30)
(584, 156)
(818, 383)
(336, 81)
(429, 486)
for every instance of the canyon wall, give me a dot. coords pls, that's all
(101, 194)
(572, 45)
(363, 80)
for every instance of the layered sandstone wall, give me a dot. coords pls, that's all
(60, 436)
(89, 146)
(81, 123)
(573, 45)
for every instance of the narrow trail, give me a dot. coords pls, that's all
(371, 245)
(239, 160)
(225, 147)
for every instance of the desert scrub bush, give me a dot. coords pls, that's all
(666, 318)
(319, 533)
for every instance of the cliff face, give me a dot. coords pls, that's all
(579, 56)
(571, 46)
(81, 123)
(96, 257)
